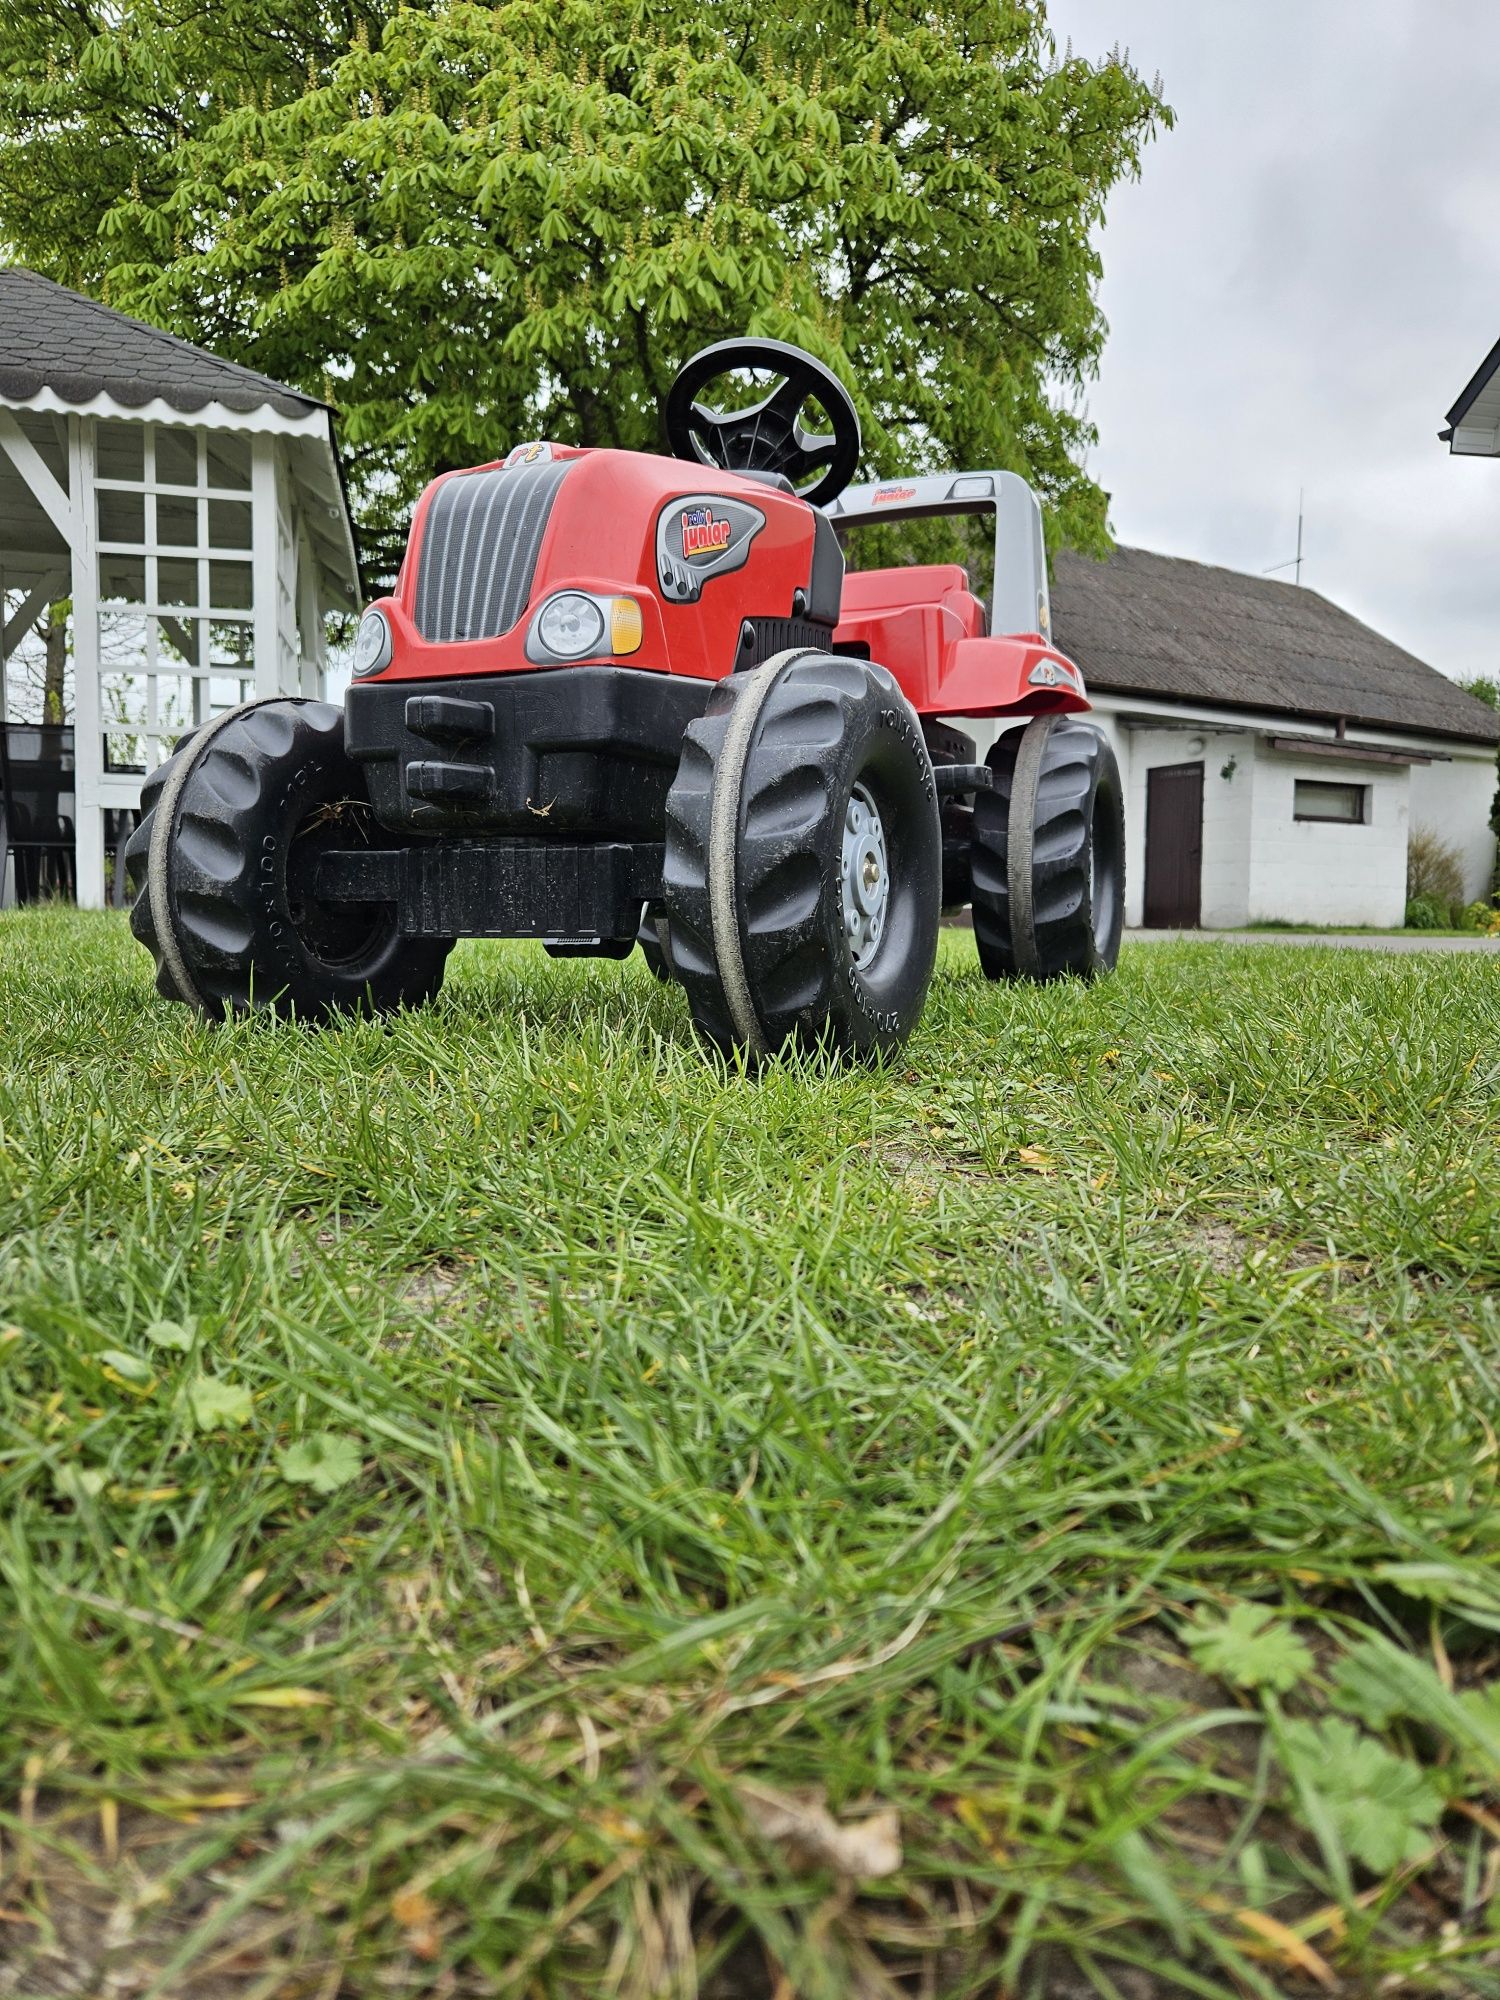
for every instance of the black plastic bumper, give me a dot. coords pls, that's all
(583, 750)
(502, 888)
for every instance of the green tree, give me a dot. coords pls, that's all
(98, 97)
(468, 225)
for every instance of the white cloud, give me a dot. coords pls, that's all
(1298, 287)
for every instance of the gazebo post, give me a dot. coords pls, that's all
(309, 619)
(264, 584)
(72, 515)
(88, 723)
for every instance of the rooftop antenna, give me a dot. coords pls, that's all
(1296, 561)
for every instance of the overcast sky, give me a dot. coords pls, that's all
(1298, 287)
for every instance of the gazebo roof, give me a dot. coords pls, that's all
(61, 353)
(51, 338)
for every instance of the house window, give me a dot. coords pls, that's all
(1313, 799)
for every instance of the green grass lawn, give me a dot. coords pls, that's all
(493, 1503)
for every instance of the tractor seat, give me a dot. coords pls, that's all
(778, 480)
(879, 592)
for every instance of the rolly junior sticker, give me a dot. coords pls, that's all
(528, 454)
(704, 532)
(702, 535)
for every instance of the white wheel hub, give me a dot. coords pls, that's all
(866, 876)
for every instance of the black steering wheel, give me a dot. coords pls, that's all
(766, 437)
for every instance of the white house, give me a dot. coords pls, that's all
(192, 513)
(1276, 753)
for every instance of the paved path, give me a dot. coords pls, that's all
(1398, 941)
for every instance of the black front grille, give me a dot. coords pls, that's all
(761, 639)
(479, 550)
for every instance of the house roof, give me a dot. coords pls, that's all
(51, 338)
(1176, 630)
(1474, 421)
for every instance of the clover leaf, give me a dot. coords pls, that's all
(1382, 1806)
(1249, 1648)
(219, 1405)
(324, 1461)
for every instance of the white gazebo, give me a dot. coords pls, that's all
(190, 510)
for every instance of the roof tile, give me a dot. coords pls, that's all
(56, 339)
(1177, 630)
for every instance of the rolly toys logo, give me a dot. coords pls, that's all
(703, 534)
(700, 536)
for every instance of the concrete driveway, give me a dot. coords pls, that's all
(1397, 941)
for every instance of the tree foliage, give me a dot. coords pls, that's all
(467, 225)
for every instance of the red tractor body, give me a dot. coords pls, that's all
(763, 570)
(620, 698)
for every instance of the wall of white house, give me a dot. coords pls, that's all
(1226, 804)
(1226, 814)
(1324, 872)
(1454, 800)
(1261, 864)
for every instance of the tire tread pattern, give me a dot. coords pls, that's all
(1077, 762)
(237, 785)
(783, 810)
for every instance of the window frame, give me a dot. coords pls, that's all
(1332, 818)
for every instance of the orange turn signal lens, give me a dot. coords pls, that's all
(624, 625)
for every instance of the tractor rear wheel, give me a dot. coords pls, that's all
(234, 826)
(803, 871)
(1047, 853)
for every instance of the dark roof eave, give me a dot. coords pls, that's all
(1477, 383)
(1175, 632)
(20, 385)
(1227, 705)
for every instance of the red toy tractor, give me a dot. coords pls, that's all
(619, 699)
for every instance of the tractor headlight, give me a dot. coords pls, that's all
(570, 626)
(576, 625)
(372, 644)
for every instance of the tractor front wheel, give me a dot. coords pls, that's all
(236, 823)
(803, 876)
(1047, 854)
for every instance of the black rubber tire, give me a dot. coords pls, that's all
(1047, 854)
(754, 857)
(137, 849)
(231, 830)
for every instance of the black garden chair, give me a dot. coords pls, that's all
(37, 814)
